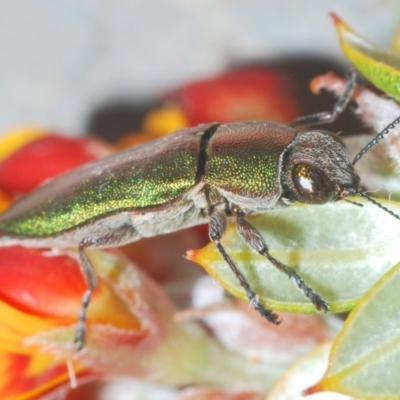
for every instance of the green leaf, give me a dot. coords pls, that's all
(395, 46)
(339, 249)
(365, 357)
(303, 373)
(379, 66)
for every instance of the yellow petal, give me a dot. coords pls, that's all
(14, 139)
(165, 120)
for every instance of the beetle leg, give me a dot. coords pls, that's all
(326, 117)
(254, 240)
(112, 238)
(90, 276)
(216, 230)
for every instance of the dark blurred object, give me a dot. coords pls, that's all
(303, 71)
(199, 99)
(112, 120)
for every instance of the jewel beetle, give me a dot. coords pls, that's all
(203, 174)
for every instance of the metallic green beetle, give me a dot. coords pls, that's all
(194, 176)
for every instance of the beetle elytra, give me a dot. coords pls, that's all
(197, 175)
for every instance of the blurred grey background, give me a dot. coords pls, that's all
(61, 59)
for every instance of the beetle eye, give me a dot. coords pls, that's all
(311, 184)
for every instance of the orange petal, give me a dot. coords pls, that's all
(133, 139)
(25, 377)
(165, 120)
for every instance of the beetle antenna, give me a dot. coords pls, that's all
(354, 203)
(378, 204)
(376, 139)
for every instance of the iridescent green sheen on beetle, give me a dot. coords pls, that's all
(134, 180)
(203, 174)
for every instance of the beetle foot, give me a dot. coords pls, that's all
(319, 303)
(267, 314)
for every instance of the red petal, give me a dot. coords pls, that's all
(29, 377)
(246, 94)
(40, 284)
(45, 158)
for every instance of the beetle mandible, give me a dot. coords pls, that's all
(197, 175)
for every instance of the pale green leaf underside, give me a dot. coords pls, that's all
(340, 250)
(303, 374)
(365, 359)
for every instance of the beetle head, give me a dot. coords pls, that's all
(317, 169)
